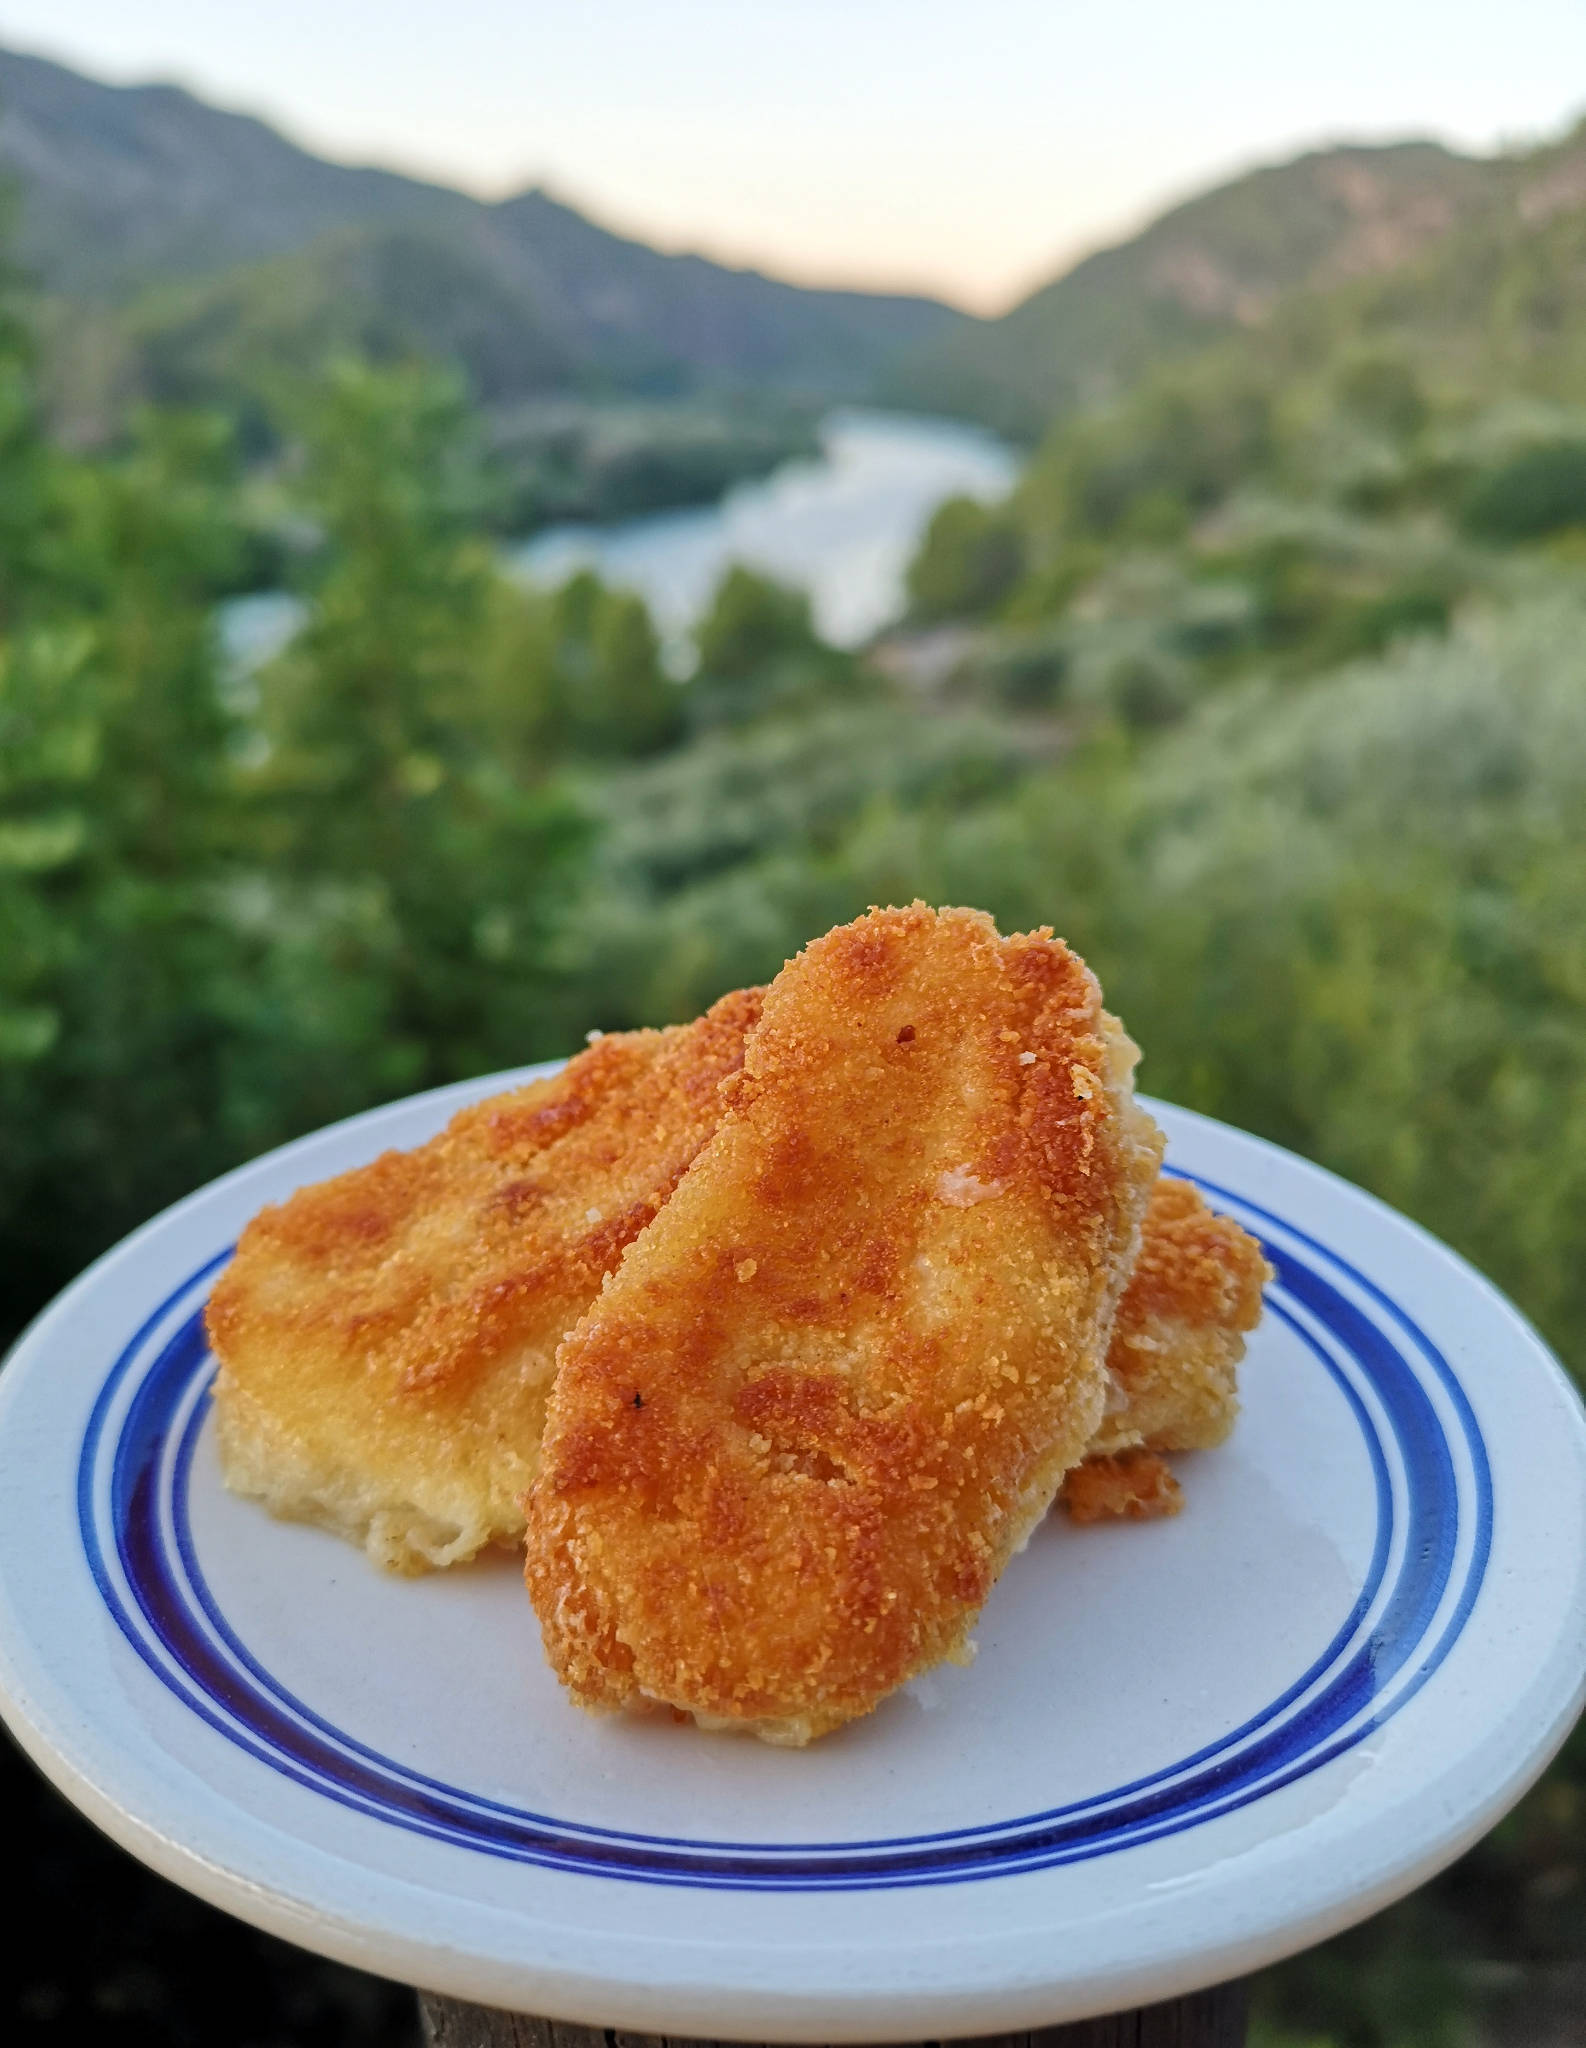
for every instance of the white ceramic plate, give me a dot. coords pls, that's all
(1185, 1748)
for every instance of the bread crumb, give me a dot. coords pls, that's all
(1136, 1486)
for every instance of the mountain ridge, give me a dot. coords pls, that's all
(138, 197)
(1208, 266)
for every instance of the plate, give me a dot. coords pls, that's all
(1183, 1749)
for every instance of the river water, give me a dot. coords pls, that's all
(842, 526)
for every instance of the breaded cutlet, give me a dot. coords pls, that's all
(1173, 1364)
(1194, 1294)
(837, 1382)
(387, 1339)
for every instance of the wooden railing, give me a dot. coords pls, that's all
(1206, 2019)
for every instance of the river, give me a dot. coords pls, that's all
(841, 525)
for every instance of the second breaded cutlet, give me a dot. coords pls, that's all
(1179, 1335)
(387, 1339)
(1177, 1340)
(838, 1381)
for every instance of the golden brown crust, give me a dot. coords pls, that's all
(1180, 1332)
(387, 1339)
(838, 1380)
(1136, 1486)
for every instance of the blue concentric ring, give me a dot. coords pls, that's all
(1433, 1532)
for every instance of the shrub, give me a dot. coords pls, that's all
(1533, 493)
(970, 559)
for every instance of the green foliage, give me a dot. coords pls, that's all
(1535, 492)
(601, 459)
(24, 512)
(236, 260)
(389, 296)
(970, 559)
(1018, 672)
(753, 621)
(113, 818)
(222, 923)
(759, 651)
(1182, 450)
(610, 693)
(396, 820)
(712, 863)
(1141, 473)
(1385, 394)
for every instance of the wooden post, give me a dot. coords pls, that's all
(1206, 2019)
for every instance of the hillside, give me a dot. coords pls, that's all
(125, 184)
(1211, 267)
(1495, 310)
(187, 243)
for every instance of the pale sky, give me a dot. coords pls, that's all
(967, 147)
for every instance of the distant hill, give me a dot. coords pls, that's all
(190, 244)
(1493, 310)
(124, 185)
(1214, 266)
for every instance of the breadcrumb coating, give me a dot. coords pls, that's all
(387, 1339)
(1180, 1332)
(838, 1380)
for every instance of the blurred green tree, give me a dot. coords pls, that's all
(431, 864)
(1534, 492)
(1172, 450)
(1385, 394)
(224, 920)
(759, 652)
(115, 821)
(613, 698)
(970, 558)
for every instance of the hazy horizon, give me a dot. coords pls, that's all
(883, 151)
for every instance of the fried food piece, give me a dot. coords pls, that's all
(1133, 1485)
(314, 1426)
(387, 1339)
(837, 1382)
(1180, 1332)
